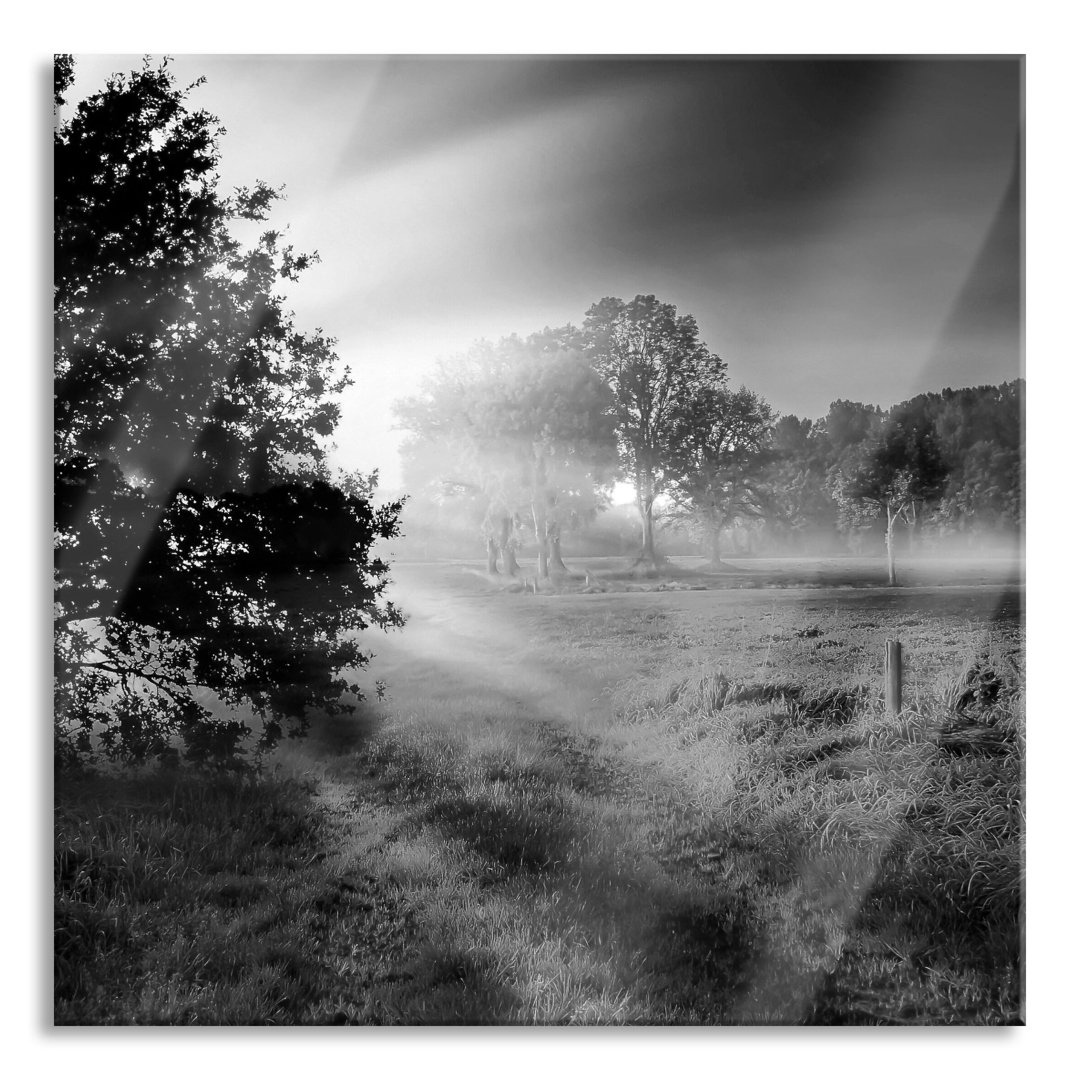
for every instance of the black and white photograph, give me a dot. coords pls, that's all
(538, 539)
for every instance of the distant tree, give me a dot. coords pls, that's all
(656, 366)
(981, 434)
(444, 514)
(985, 495)
(800, 512)
(726, 435)
(892, 473)
(843, 436)
(448, 456)
(208, 573)
(977, 433)
(848, 424)
(522, 429)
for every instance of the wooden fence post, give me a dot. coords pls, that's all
(893, 677)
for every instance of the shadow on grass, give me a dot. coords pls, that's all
(200, 901)
(669, 949)
(336, 736)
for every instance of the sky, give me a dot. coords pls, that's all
(840, 228)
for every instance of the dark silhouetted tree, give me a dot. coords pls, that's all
(209, 575)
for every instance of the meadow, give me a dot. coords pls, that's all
(670, 802)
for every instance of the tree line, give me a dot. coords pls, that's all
(523, 439)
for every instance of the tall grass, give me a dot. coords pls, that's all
(176, 901)
(737, 831)
(870, 834)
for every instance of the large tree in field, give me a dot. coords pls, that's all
(893, 474)
(726, 436)
(521, 427)
(209, 573)
(656, 366)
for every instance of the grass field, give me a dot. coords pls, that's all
(632, 805)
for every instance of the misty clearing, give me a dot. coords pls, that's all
(513, 650)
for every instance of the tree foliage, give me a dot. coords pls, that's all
(522, 428)
(709, 460)
(894, 472)
(980, 430)
(800, 514)
(209, 575)
(727, 437)
(967, 443)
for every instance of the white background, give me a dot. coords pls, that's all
(33, 34)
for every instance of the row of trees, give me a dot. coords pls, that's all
(534, 432)
(529, 435)
(947, 466)
(210, 572)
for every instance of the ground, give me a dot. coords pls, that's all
(674, 801)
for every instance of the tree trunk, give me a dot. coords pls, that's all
(555, 543)
(647, 555)
(646, 561)
(510, 563)
(890, 519)
(540, 528)
(714, 543)
(506, 543)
